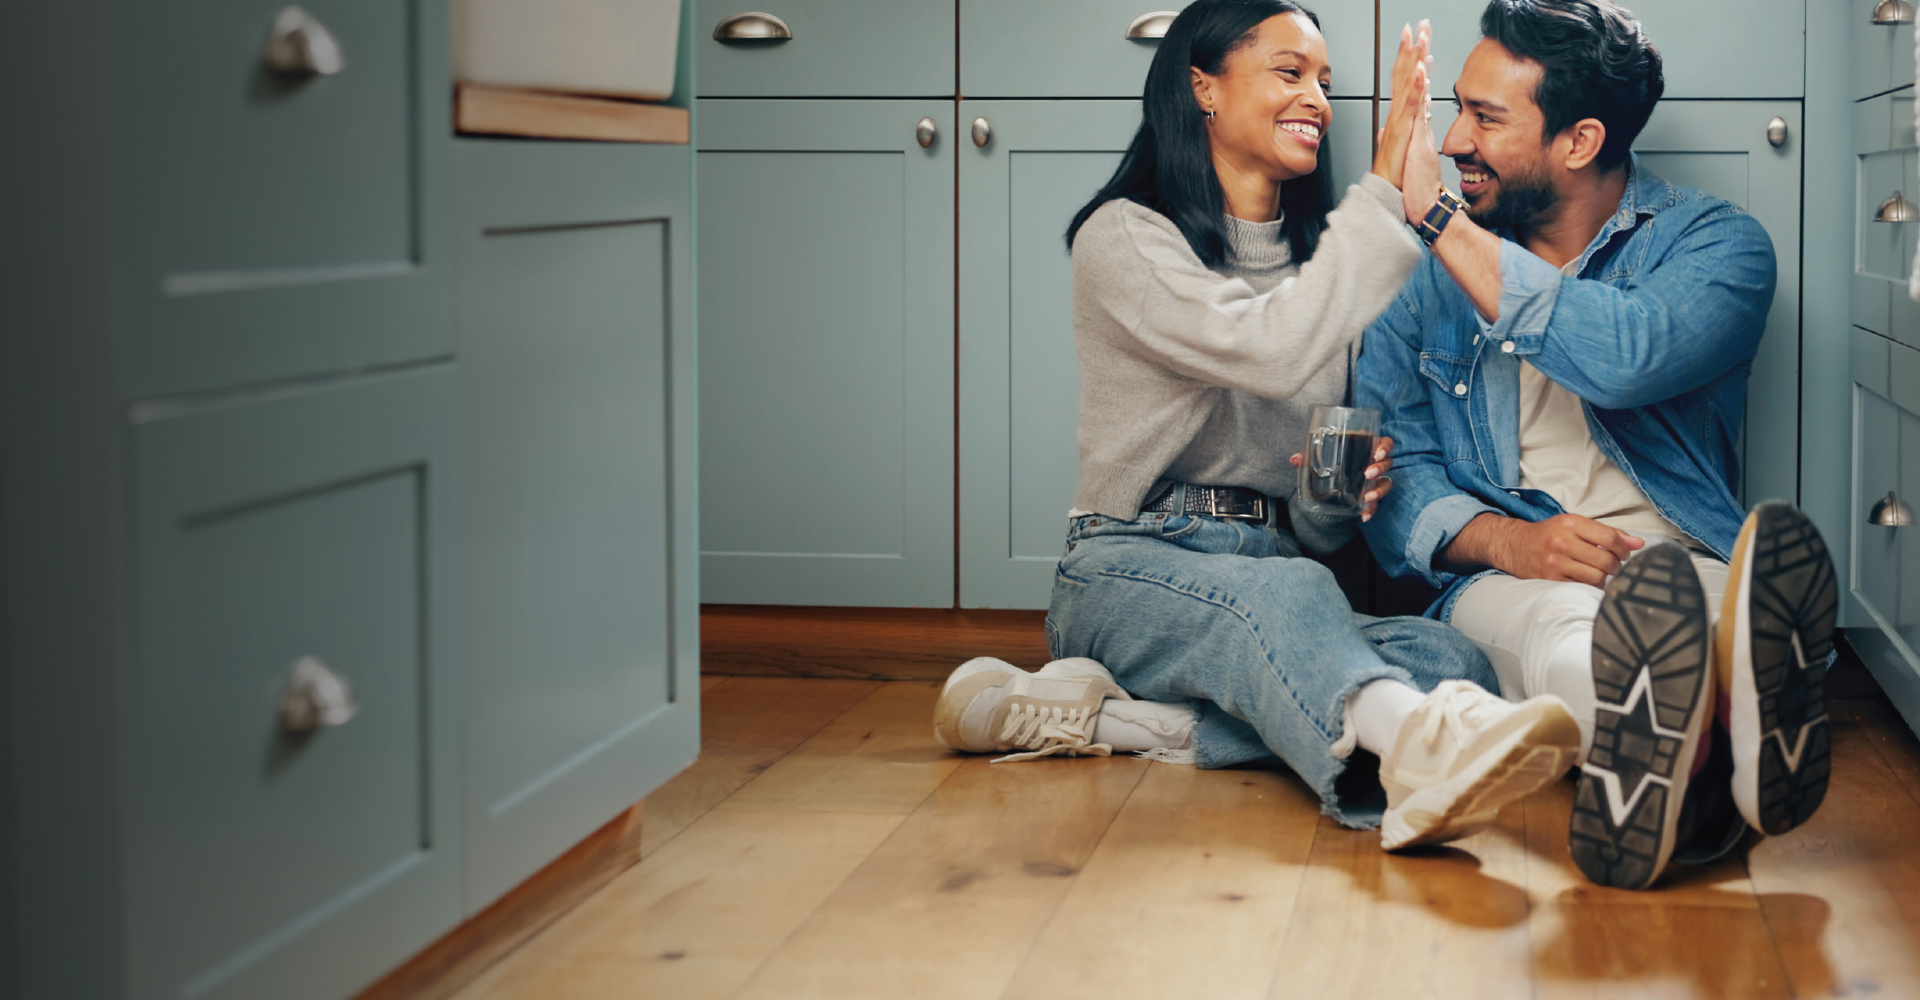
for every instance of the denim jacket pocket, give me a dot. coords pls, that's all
(1453, 375)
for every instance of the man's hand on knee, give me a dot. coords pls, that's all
(1566, 547)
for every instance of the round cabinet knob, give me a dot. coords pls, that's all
(316, 697)
(1890, 513)
(925, 132)
(1777, 132)
(982, 132)
(1152, 25)
(1896, 209)
(299, 45)
(752, 26)
(1891, 12)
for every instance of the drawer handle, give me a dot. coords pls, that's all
(1896, 209)
(299, 45)
(1890, 513)
(316, 697)
(1777, 132)
(1891, 12)
(752, 26)
(1152, 25)
(982, 131)
(925, 131)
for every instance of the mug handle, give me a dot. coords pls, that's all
(1318, 463)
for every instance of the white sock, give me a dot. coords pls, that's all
(1136, 726)
(1376, 712)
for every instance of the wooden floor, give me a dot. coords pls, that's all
(825, 846)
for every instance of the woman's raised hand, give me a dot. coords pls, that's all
(1420, 179)
(1409, 104)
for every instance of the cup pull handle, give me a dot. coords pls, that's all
(1152, 25)
(1891, 12)
(1890, 513)
(1896, 209)
(752, 26)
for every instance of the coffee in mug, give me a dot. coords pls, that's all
(1339, 447)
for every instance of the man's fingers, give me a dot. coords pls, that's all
(1594, 533)
(1581, 573)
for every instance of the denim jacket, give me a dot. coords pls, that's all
(1656, 336)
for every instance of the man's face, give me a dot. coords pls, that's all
(1505, 177)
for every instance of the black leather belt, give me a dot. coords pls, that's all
(1231, 502)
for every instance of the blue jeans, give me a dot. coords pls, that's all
(1229, 613)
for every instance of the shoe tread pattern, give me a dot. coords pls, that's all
(1653, 620)
(1794, 593)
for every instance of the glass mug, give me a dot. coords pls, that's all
(1333, 467)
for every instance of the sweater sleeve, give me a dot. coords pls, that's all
(1217, 329)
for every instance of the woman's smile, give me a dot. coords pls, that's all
(1301, 130)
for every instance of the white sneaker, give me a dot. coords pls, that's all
(1463, 754)
(991, 705)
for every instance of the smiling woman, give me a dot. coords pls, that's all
(1218, 296)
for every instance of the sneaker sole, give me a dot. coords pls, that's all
(1776, 634)
(1650, 679)
(1467, 804)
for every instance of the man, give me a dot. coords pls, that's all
(1564, 378)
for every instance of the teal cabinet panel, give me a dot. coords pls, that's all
(1886, 462)
(1721, 148)
(1878, 246)
(1881, 55)
(578, 607)
(1708, 48)
(900, 48)
(826, 353)
(276, 226)
(1079, 48)
(314, 524)
(1019, 375)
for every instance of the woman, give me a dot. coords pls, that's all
(1217, 295)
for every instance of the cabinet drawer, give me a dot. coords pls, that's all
(267, 862)
(1079, 48)
(1885, 162)
(900, 48)
(1708, 48)
(1881, 54)
(279, 224)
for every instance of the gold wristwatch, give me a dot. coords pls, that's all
(1437, 216)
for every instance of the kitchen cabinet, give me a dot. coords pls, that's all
(579, 624)
(826, 352)
(1885, 553)
(896, 48)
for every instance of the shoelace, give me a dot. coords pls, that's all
(1045, 732)
(1453, 714)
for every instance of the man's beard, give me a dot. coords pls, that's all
(1523, 200)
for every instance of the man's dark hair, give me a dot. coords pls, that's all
(1596, 63)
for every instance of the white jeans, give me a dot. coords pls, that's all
(1539, 634)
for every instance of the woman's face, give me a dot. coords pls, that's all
(1270, 100)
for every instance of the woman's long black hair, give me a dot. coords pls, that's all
(1168, 166)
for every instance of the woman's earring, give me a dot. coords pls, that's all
(1209, 114)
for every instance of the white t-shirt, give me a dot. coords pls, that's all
(1559, 457)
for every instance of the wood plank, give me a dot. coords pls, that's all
(487, 110)
(1589, 949)
(548, 895)
(874, 643)
(950, 904)
(746, 725)
(1841, 894)
(709, 681)
(1889, 736)
(698, 916)
(1451, 919)
(1188, 894)
(879, 756)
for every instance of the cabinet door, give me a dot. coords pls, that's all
(826, 353)
(277, 225)
(1708, 48)
(1881, 53)
(894, 48)
(1019, 376)
(316, 524)
(1879, 246)
(1080, 48)
(1886, 470)
(579, 614)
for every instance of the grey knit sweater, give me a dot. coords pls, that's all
(1206, 375)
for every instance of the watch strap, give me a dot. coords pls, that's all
(1438, 216)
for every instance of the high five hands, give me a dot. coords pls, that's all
(1405, 142)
